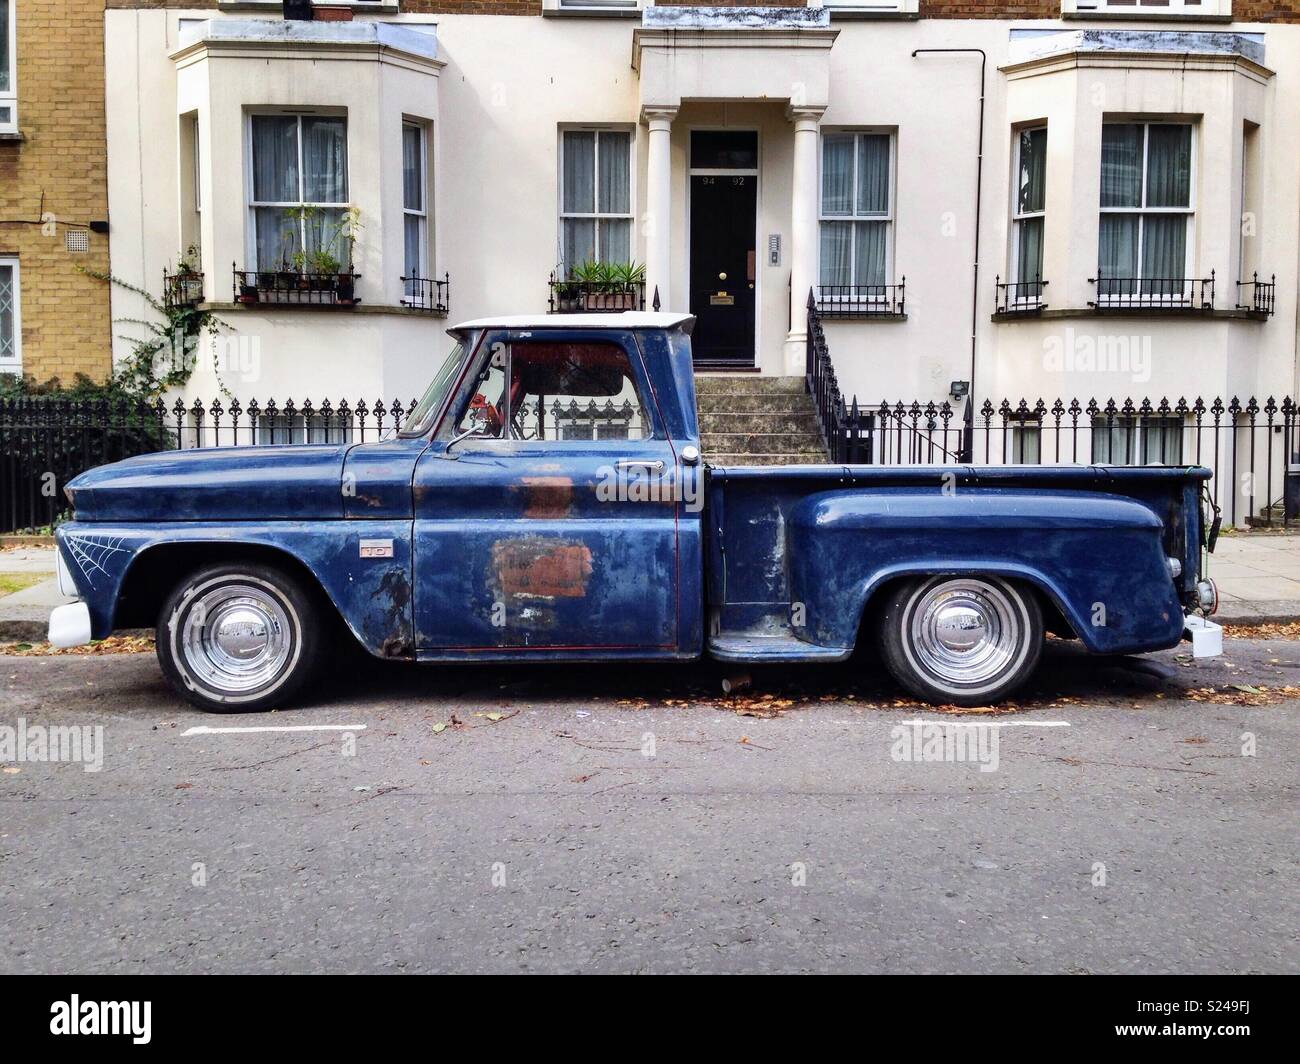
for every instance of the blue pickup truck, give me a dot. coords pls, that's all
(547, 500)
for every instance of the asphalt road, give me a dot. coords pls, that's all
(549, 840)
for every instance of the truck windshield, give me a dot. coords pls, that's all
(427, 408)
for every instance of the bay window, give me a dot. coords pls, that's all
(11, 337)
(856, 211)
(1146, 210)
(1028, 214)
(299, 167)
(8, 66)
(415, 214)
(595, 197)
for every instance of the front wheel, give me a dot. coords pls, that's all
(239, 637)
(961, 640)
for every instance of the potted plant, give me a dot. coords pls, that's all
(566, 292)
(322, 268)
(187, 282)
(610, 285)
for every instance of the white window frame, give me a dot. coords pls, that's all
(1189, 246)
(14, 364)
(9, 98)
(1018, 216)
(1188, 9)
(887, 217)
(597, 216)
(252, 205)
(424, 267)
(870, 7)
(595, 7)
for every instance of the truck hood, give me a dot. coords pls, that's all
(215, 483)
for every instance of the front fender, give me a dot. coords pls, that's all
(372, 594)
(1099, 558)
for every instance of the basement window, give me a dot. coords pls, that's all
(11, 333)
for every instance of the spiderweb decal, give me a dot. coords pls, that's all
(93, 553)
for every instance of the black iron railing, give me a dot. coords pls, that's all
(1153, 293)
(1020, 297)
(183, 288)
(595, 297)
(1252, 448)
(292, 287)
(862, 300)
(46, 441)
(1262, 297)
(427, 294)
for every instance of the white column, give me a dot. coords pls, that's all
(803, 231)
(659, 206)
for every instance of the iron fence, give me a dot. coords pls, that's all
(45, 442)
(594, 297)
(183, 288)
(296, 288)
(1252, 448)
(1261, 298)
(1019, 297)
(427, 294)
(1148, 294)
(862, 300)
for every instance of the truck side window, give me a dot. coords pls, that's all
(486, 412)
(574, 391)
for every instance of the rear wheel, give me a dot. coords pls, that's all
(963, 640)
(239, 637)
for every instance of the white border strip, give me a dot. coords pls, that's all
(993, 723)
(203, 729)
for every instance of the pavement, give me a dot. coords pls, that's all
(1258, 575)
(1139, 817)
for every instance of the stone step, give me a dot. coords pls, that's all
(759, 421)
(765, 459)
(761, 443)
(749, 384)
(753, 403)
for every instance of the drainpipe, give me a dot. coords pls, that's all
(968, 420)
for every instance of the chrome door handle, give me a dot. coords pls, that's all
(654, 465)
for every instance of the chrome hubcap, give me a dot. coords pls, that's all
(236, 638)
(965, 632)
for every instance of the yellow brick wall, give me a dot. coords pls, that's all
(65, 314)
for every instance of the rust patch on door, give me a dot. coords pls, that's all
(536, 567)
(547, 496)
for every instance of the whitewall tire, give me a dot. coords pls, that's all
(961, 640)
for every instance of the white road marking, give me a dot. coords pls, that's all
(203, 729)
(995, 723)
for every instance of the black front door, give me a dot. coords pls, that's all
(723, 207)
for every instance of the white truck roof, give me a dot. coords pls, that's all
(629, 319)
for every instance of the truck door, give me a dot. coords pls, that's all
(545, 509)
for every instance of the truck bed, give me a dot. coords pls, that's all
(775, 533)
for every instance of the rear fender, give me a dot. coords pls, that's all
(1098, 558)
